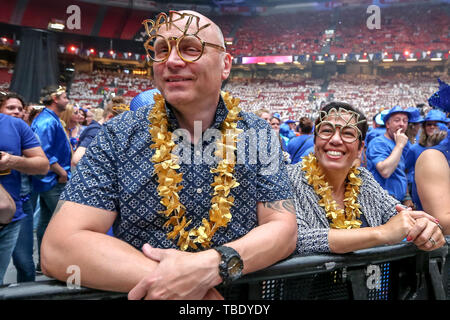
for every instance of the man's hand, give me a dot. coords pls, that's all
(63, 178)
(5, 161)
(179, 275)
(400, 138)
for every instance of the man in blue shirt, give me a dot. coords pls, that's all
(49, 129)
(19, 152)
(299, 146)
(154, 175)
(378, 127)
(386, 154)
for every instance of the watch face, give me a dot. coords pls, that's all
(234, 266)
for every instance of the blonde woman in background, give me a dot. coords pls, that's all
(114, 108)
(71, 118)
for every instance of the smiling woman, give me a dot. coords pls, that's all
(341, 208)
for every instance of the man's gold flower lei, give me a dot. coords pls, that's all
(340, 219)
(166, 164)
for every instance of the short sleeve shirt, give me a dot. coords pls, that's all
(378, 150)
(16, 137)
(117, 174)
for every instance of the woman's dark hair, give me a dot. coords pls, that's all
(305, 125)
(362, 121)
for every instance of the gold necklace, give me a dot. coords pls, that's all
(166, 164)
(340, 219)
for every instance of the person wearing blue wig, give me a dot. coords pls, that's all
(432, 169)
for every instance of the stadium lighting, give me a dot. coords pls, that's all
(56, 25)
(72, 48)
(406, 52)
(92, 51)
(111, 52)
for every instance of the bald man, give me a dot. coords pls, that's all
(183, 225)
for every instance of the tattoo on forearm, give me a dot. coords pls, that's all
(281, 206)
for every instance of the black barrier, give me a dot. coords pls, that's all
(398, 272)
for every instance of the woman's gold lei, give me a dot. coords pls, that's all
(340, 219)
(166, 164)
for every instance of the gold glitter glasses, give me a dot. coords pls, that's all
(190, 47)
(349, 133)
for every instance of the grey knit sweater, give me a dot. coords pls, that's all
(313, 226)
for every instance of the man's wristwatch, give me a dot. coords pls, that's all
(231, 264)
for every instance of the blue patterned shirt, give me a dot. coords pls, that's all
(116, 174)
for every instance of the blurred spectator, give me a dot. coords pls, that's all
(47, 125)
(432, 169)
(386, 154)
(20, 152)
(13, 104)
(430, 136)
(415, 119)
(300, 146)
(71, 118)
(263, 114)
(114, 108)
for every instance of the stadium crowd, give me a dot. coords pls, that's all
(93, 151)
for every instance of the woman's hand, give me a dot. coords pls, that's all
(398, 227)
(426, 234)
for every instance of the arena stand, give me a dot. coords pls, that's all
(92, 88)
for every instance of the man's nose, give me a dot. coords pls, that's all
(174, 57)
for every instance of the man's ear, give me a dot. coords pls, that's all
(227, 62)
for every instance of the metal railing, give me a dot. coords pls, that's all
(397, 272)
